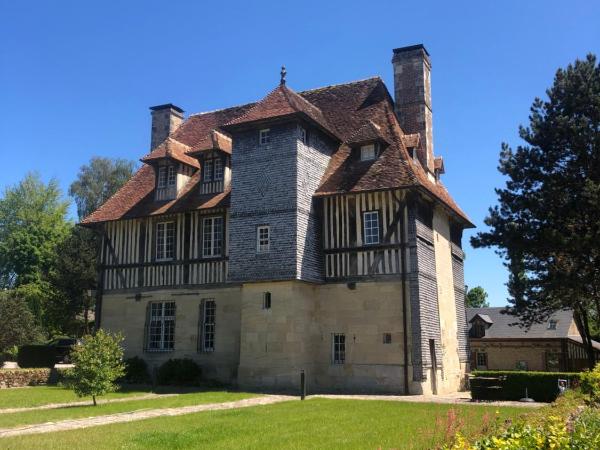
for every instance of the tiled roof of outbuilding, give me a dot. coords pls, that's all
(343, 110)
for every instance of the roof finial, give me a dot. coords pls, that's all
(283, 74)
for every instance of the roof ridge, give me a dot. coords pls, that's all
(221, 109)
(322, 88)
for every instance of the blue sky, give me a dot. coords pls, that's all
(77, 78)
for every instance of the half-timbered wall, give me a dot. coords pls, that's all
(129, 253)
(213, 187)
(346, 255)
(184, 173)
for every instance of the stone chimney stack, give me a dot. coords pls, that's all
(165, 120)
(412, 92)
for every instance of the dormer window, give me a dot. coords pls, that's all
(552, 324)
(213, 169)
(367, 152)
(167, 176)
(264, 136)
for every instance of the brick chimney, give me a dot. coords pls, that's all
(412, 92)
(165, 120)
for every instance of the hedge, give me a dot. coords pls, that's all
(33, 356)
(24, 377)
(510, 385)
(136, 371)
(179, 372)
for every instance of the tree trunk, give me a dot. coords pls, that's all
(94, 400)
(582, 321)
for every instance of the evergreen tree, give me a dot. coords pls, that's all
(477, 298)
(547, 223)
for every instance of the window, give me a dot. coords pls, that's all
(367, 152)
(553, 361)
(338, 348)
(387, 338)
(552, 324)
(218, 167)
(161, 327)
(481, 360)
(521, 365)
(165, 241)
(208, 311)
(264, 136)
(303, 135)
(478, 329)
(212, 236)
(267, 300)
(213, 169)
(208, 170)
(371, 227)
(167, 176)
(263, 238)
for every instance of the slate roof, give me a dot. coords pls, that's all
(501, 324)
(344, 111)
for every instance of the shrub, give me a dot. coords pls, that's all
(179, 372)
(33, 356)
(98, 364)
(510, 385)
(590, 383)
(136, 371)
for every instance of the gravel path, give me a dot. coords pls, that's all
(74, 424)
(458, 398)
(83, 403)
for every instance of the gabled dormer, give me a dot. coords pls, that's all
(368, 142)
(214, 154)
(172, 168)
(479, 324)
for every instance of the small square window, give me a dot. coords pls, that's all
(264, 136)
(367, 152)
(263, 239)
(303, 135)
(267, 300)
(552, 324)
(387, 338)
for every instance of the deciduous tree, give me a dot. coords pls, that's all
(477, 298)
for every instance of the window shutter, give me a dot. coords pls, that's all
(147, 327)
(200, 327)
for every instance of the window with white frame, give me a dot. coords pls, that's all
(213, 169)
(161, 327)
(165, 241)
(209, 310)
(303, 135)
(338, 348)
(208, 170)
(264, 136)
(552, 324)
(212, 236)
(263, 239)
(167, 176)
(371, 227)
(367, 152)
(482, 360)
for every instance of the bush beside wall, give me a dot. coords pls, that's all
(510, 385)
(34, 356)
(179, 372)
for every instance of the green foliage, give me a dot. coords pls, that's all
(32, 223)
(97, 181)
(546, 222)
(179, 372)
(72, 276)
(590, 383)
(98, 364)
(17, 324)
(136, 371)
(36, 356)
(510, 385)
(477, 298)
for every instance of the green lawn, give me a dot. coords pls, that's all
(315, 423)
(75, 412)
(43, 395)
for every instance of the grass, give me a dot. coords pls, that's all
(314, 423)
(43, 395)
(75, 412)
